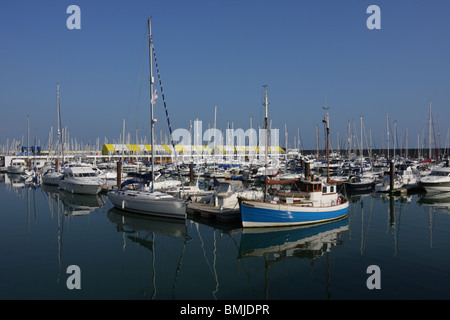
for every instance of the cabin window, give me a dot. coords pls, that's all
(324, 190)
(223, 188)
(332, 189)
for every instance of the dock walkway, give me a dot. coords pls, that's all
(209, 211)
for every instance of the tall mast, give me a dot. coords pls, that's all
(429, 134)
(58, 118)
(151, 100)
(387, 128)
(317, 141)
(215, 116)
(395, 137)
(215, 127)
(28, 142)
(406, 152)
(285, 141)
(327, 126)
(361, 144)
(266, 119)
(57, 112)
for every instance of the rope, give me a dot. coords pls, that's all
(167, 112)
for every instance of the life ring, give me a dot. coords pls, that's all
(338, 200)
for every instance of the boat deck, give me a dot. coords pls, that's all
(208, 211)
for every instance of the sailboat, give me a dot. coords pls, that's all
(360, 182)
(140, 196)
(315, 201)
(53, 176)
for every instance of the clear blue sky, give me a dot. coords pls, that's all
(221, 53)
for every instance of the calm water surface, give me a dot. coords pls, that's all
(123, 256)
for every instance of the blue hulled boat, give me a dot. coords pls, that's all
(313, 202)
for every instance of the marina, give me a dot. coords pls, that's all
(252, 222)
(129, 256)
(225, 152)
(404, 233)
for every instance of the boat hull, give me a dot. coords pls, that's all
(264, 214)
(80, 187)
(359, 186)
(148, 203)
(52, 180)
(435, 186)
(16, 169)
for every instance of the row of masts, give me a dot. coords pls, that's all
(356, 141)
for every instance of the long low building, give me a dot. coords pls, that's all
(167, 150)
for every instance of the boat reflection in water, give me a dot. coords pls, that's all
(75, 204)
(437, 200)
(134, 223)
(301, 241)
(277, 244)
(143, 230)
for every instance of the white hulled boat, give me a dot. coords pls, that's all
(82, 180)
(52, 177)
(385, 184)
(17, 166)
(437, 181)
(409, 178)
(139, 196)
(143, 201)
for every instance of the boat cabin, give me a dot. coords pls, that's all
(17, 162)
(440, 172)
(316, 191)
(16, 166)
(313, 186)
(229, 187)
(79, 172)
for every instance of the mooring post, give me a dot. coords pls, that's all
(119, 173)
(307, 171)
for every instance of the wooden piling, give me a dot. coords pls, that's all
(307, 170)
(119, 173)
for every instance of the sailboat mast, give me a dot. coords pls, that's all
(57, 113)
(266, 119)
(387, 128)
(429, 134)
(28, 142)
(327, 127)
(361, 152)
(59, 126)
(151, 101)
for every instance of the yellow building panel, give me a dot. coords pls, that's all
(166, 147)
(107, 149)
(180, 148)
(133, 147)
